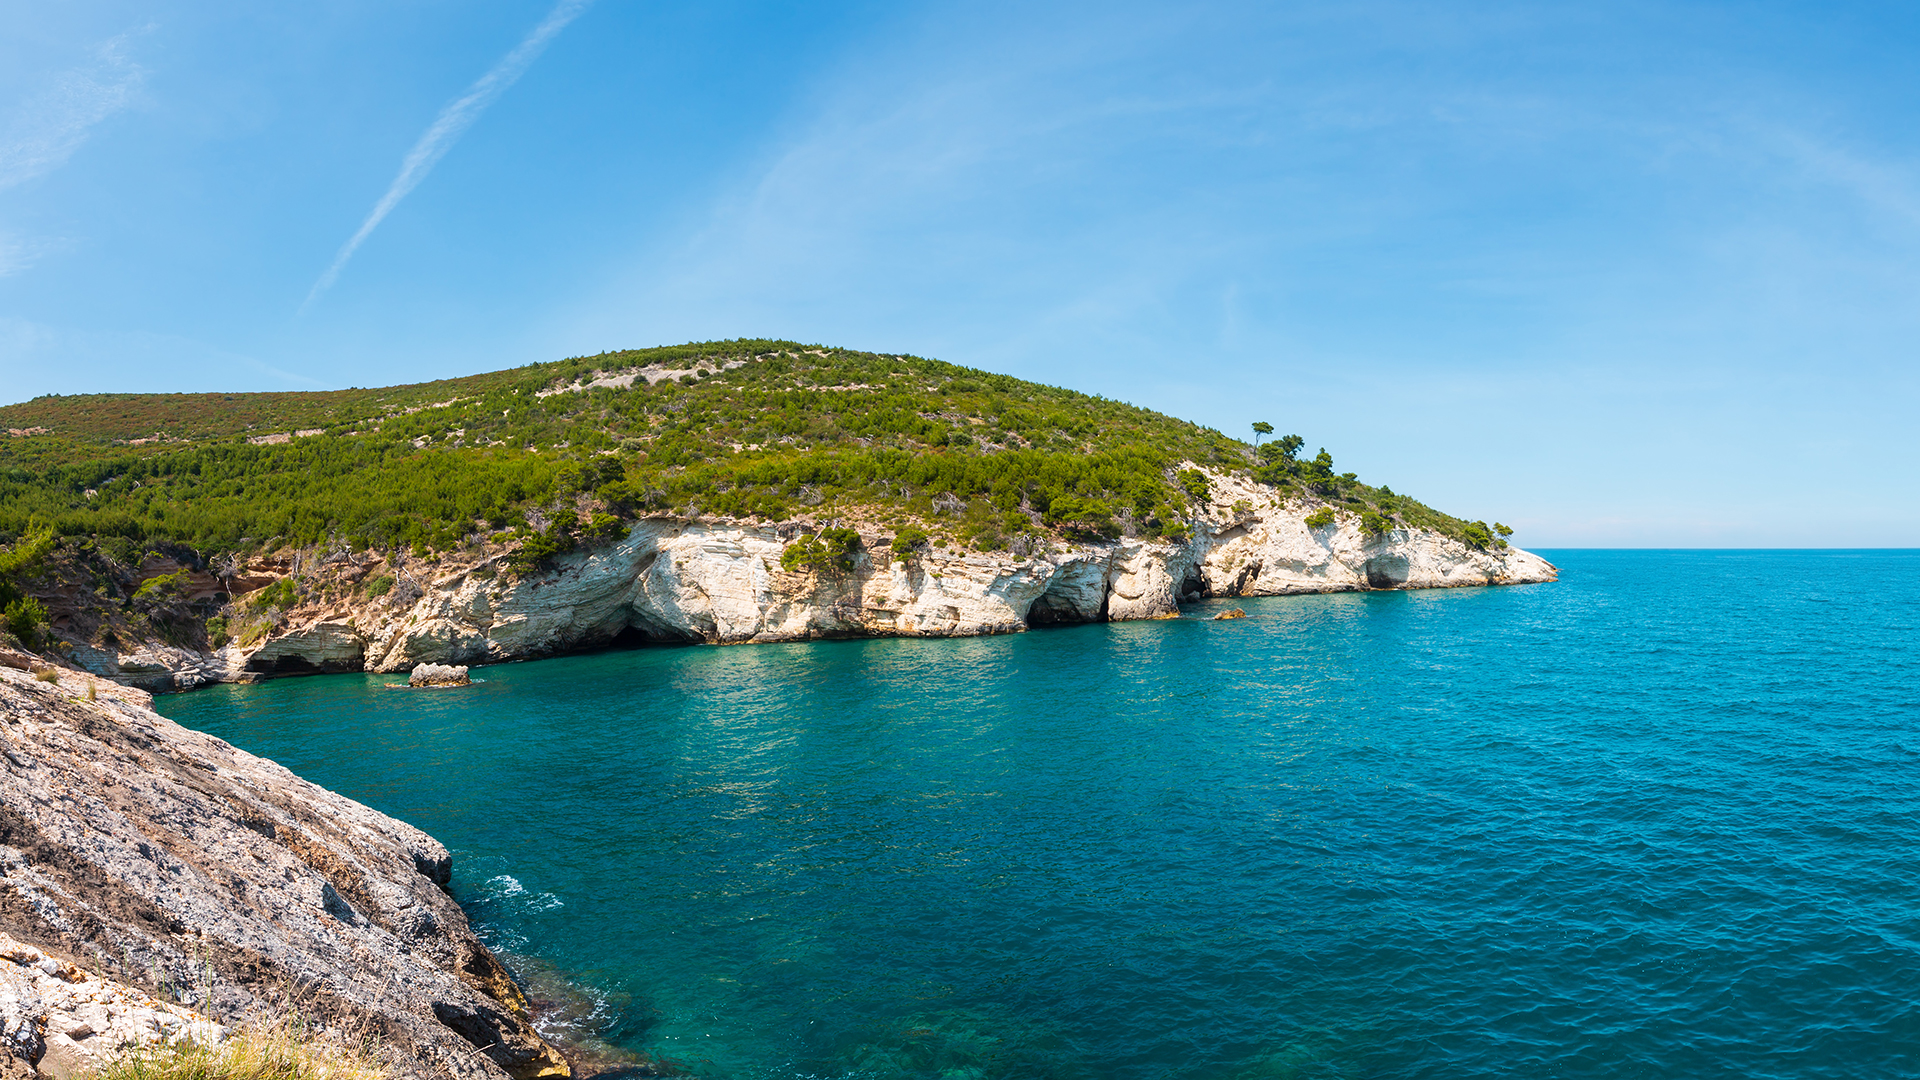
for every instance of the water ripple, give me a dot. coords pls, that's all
(1658, 820)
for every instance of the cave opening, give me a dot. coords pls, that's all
(631, 637)
(1070, 598)
(638, 634)
(284, 664)
(1388, 571)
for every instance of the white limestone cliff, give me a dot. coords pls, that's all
(1271, 551)
(722, 582)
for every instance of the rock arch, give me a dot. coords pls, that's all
(1076, 592)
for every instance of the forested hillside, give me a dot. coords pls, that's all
(566, 452)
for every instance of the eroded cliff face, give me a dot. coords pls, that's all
(1269, 550)
(203, 876)
(721, 582)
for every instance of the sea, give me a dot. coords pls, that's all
(1658, 819)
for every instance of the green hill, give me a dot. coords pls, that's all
(747, 429)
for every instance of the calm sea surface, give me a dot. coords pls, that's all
(1661, 819)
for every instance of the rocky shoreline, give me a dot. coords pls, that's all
(164, 879)
(158, 881)
(722, 582)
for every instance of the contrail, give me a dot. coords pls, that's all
(447, 128)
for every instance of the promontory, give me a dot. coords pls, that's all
(738, 491)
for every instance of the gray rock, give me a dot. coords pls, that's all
(178, 865)
(67, 1022)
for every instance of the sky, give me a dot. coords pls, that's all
(1618, 275)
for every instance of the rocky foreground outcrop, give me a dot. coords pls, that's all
(722, 582)
(202, 876)
(62, 1021)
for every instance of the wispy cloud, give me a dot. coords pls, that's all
(17, 254)
(55, 121)
(453, 121)
(1886, 187)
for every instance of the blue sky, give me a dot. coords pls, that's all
(1616, 274)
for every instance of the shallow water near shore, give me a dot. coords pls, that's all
(1659, 819)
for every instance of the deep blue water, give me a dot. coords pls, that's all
(1661, 819)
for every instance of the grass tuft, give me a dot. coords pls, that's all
(285, 1051)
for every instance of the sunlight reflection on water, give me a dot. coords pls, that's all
(1655, 820)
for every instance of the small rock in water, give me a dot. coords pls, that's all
(439, 675)
(1232, 613)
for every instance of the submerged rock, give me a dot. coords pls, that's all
(439, 675)
(171, 862)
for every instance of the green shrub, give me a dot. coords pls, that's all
(539, 548)
(25, 618)
(1088, 517)
(1194, 483)
(606, 527)
(830, 550)
(162, 589)
(1375, 523)
(911, 539)
(1318, 473)
(379, 586)
(1321, 518)
(282, 594)
(23, 615)
(24, 558)
(1477, 535)
(217, 631)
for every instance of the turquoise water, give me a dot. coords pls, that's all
(1661, 819)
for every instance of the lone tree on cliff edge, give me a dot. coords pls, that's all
(1261, 427)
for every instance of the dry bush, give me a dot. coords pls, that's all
(289, 1050)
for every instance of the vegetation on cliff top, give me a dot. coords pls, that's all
(567, 452)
